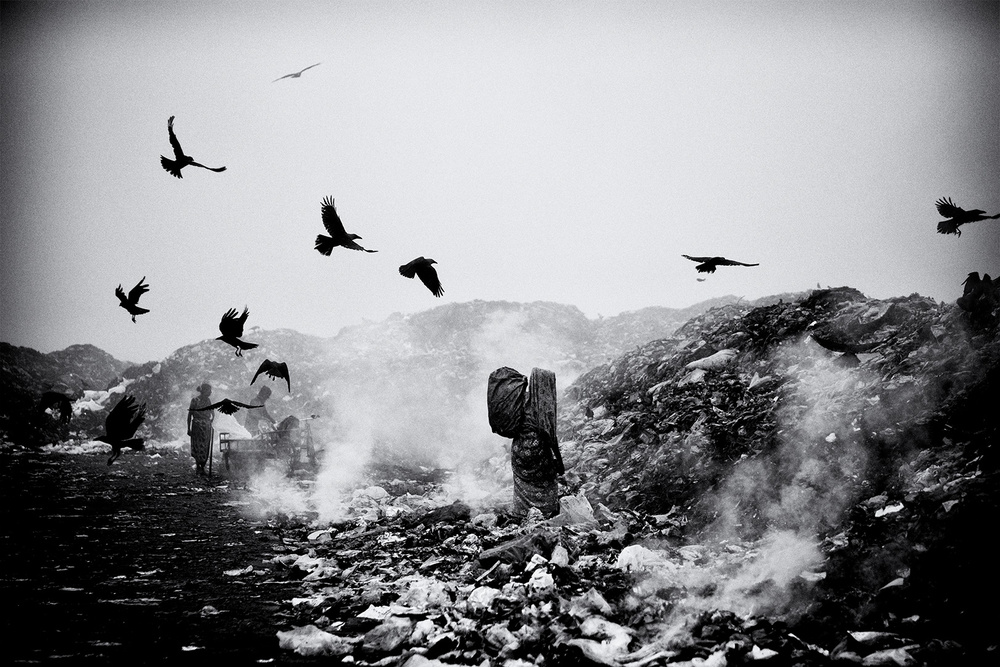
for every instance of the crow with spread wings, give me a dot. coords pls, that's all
(421, 268)
(709, 264)
(180, 159)
(131, 302)
(231, 327)
(276, 370)
(294, 75)
(120, 427)
(338, 235)
(226, 407)
(957, 216)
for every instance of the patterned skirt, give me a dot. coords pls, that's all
(535, 482)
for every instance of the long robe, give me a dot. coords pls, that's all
(201, 430)
(534, 454)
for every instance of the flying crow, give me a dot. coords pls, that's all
(958, 216)
(422, 268)
(226, 407)
(180, 160)
(709, 264)
(59, 401)
(131, 302)
(231, 327)
(120, 427)
(338, 235)
(276, 370)
(294, 75)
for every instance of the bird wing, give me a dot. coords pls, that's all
(199, 164)
(947, 208)
(124, 419)
(231, 325)
(280, 371)
(429, 277)
(332, 221)
(138, 291)
(263, 368)
(730, 262)
(310, 67)
(120, 293)
(410, 268)
(698, 259)
(228, 407)
(178, 152)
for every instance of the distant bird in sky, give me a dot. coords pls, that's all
(295, 75)
(231, 327)
(180, 159)
(131, 302)
(226, 407)
(59, 401)
(338, 235)
(276, 370)
(709, 264)
(957, 216)
(120, 427)
(421, 268)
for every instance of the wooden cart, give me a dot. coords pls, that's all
(293, 447)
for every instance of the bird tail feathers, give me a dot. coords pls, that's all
(171, 166)
(324, 244)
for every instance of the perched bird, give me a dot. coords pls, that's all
(180, 159)
(131, 302)
(980, 294)
(958, 216)
(276, 370)
(338, 235)
(59, 401)
(226, 407)
(120, 427)
(422, 268)
(709, 264)
(294, 75)
(231, 327)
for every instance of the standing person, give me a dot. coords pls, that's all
(255, 416)
(199, 426)
(525, 410)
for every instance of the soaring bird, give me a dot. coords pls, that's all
(120, 427)
(180, 159)
(709, 264)
(958, 216)
(231, 327)
(422, 268)
(338, 235)
(225, 406)
(58, 400)
(131, 302)
(276, 370)
(294, 75)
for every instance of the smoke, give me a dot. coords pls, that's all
(416, 399)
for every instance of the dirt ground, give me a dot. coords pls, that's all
(125, 564)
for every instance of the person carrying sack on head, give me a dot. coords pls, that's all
(525, 410)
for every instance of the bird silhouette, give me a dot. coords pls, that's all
(226, 407)
(338, 235)
(231, 327)
(709, 264)
(120, 427)
(180, 159)
(58, 400)
(295, 75)
(980, 294)
(131, 302)
(957, 216)
(275, 370)
(421, 268)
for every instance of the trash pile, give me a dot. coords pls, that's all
(801, 483)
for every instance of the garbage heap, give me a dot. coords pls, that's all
(804, 483)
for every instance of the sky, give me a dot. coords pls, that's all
(538, 151)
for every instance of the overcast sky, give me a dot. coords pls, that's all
(566, 152)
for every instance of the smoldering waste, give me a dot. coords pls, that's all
(737, 494)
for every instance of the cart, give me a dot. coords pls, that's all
(291, 443)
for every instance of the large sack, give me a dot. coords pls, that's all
(505, 401)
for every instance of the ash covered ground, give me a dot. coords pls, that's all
(806, 481)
